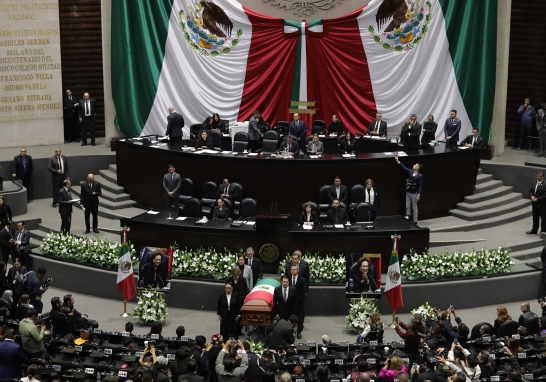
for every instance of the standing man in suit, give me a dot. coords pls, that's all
(527, 113)
(284, 300)
(429, 131)
(452, 127)
(338, 191)
(65, 207)
(292, 146)
(226, 190)
(300, 284)
(175, 124)
(377, 127)
(12, 357)
(541, 130)
(58, 166)
(254, 132)
(255, 264)
(298, 129)
(21, 244)
(304, 266)
(87, 112)
(70, 104)
(537, 193)
(6, 241)
(414, 187)
(475, 142)
(171, 185)
(89, 194)
(410, 133)
(22, 168)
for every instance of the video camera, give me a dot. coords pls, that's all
(47, 283)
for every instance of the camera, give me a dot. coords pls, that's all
(421, 335)
(47, 283)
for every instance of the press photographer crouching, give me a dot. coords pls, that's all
(62, 320)
(32, 335)
(36, 287)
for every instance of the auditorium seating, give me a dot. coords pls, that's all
(282, 127)
(192, 208)
(208, 196)
(364, 213)
(237, 199)
(270, 142)
(508, 328)
(319, 127)
(186, 191)
(240, 142)
(216, 138)
(324, 202)
(194, 132)
(248, 208)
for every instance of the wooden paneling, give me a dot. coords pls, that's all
(527, 62)
(81, 52)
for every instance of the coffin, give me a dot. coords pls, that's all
(258, 305)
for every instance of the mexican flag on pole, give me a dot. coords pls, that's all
(126, 277)
(393, 288)
(263, 290)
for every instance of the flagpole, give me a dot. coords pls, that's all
(393, 320)
(125, 314)
(124, 231)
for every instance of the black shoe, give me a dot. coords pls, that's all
(96, 230)
(531, 232)
(84, 144)
(86, 231)
(93, 144)
(53, 205)
(299, 335)
(77, 139)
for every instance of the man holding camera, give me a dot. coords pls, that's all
(32, 335)
(35, 288)
(225, 367)
(62, 320)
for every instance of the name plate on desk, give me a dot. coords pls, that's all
(273, 222)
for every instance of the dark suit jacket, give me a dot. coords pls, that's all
(340, 217)
(65, 208)
(411, 141)
(304, 272)
(172, 185)
(191, 377)
(301, 288)
(208, 143)
(258, 366)
(18, 169)
(283, 334)
(69, 106)
(452, 129)
(254, 132)
(431, 375)
(349, 147)
(53, 167)
(5, 237)
(61, 322)
(540, 193)
(430, 132)
(468, 141)
(231, 191)
(86, 194)
(257, 269)
(314, 217)
(382, 128)
(332, 194)
(93, 109)
(24, 245)
(294, 148)
(282, 308)
(299, 132)
(222, 307)
(11, 272)
(12, 357)
(175, 123)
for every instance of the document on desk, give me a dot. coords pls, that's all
(307, 226)
(226, 152)
(121, 140)
(225, 135)
(346, 155)
(338, 225)
(313, 156)
(152, 212)
(463, 147)
(375, 137)
(388, 153)
(252, 154)
(402, 154)
(181, 218)
(250, 223)
(322, 136)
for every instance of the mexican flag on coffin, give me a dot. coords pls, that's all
(391, 56)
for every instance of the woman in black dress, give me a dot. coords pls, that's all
(220, 212)
(348, 145)
(335, 128)
(204, 141)
(207, 124)
(238, 283)
(217, 123)
(307, 216)
(5, 212)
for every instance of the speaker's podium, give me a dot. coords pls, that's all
(273, 222)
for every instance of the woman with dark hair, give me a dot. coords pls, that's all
(238, 283)
(23, 305)
(204, 141)
(335, 128)
(411, 337)
(502, 317)
(217, 123)
(542, 325)
(5, 213)
(363, 281)
(4, 283)
(32, 370)
(246, 271)
(156, 328)
(17, 269)
(348, 145)
(155, 273)
(513, 346)
(207, 124)
(308, 216)
(220, 211)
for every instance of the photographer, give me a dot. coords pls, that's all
(431, 374)
(460, 332)
(32, 335)
(470, 368)
(62, 321)
(225, 368)
(161, 371)
(146, 361)
(436, 339)
(81, 321)
(35, 288)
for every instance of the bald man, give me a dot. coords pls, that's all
(87, 112)
(175, 124)
(89, 195)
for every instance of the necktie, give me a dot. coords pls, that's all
(538, 184)
(473, 141)
(90, 186)
(285, 297)
(289, 147)
(250, 263)
(294, 281)
(60, 163)
(86, 107)
(225, 190)
(369, 197)
(171, 177)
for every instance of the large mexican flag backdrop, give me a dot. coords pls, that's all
(396, 57)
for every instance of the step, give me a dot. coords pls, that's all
(113, 205)
(480, 171)
(491, 212)
(522, 213)
(489, 185)
(487, 204)
(447, 243)
(113, 168)
(527, 254)
(112, 213)
(483, 178)
(532, 244)
(109, 175)
(488, 195)
(109, 186)
(38, 234)
(106, 195)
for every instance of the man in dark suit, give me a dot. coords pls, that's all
(298, 129)
(228, 313)
(89, 194)
(292, 146)
(377, 127)
(300, 284)
(410, 133)
(254, 132)
(21, 244)
(12, 357)
(175, 124)
(171, 185)
(337, 214)
(430, 374)
(58, 166)
(474, 141)
(257, 367)
(429, 131)
(226, 190)
(6, 241)
(296, 259)
(537, 193)
(65, 207)
(191, 375)
(338, 191)
(22, 168)
(87, 112)
(452, 127)
(283, 334)
(70, 104)
(284, 300)
(255, 264)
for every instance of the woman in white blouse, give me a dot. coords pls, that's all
(246, 271)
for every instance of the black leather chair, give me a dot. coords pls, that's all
(248, 208)
(239, 146)
(318, 127)
(241, 137)
(236, 200)
(532, 326)
(264, 128)
(194, 132)
(324, 202)
(208, 196)
(67, 366)
(282, 127)
(186, 190)
(57, 344)
(192, 208)
(357, 194)
(376, 335)
(364, 213)
(475, 332)
(216, 138)
(270, 142)
(508, 328)
(227, 204)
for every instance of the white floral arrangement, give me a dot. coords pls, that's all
(85, 250)
(322, 270)
(202, 263)
(423, 310)
(359, 314)
(151, 307)
(447, 264)
(256, 347)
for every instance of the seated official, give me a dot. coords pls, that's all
(335, 128)
(308, 216)
(337, 214)
(204, 141)
(315, 147)
(364, 281)
(292, 145)
(62, 320)
(16, 270)
(220, 212)
(348, 145)
(154, 274)
(218, 124)
(207, 124)
(377, 127)
(473, 140)
(226, 190)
